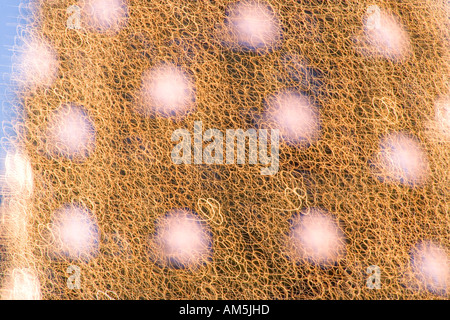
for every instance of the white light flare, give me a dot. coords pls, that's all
(167, 91)
(294, 115)
(23, 284)
(442, 116)
(253, 26)
(18, 173)
(315, 236)
(183, 239)
(385, 35)
(71, 133)
(105, 16)
(37, 64)
(401, 160)
(75, 232)
(431, 266)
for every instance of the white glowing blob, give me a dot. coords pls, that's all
(442, 116)
(37, 65)
(18, 172)
(431, 266)
(183, 240)
(167, 91)
(401, 159)
(105, 15)
(386, 36)
(294, 115)
(253, 25)
(71, 133)
(23, 284)
(75, 232)
(316, 236)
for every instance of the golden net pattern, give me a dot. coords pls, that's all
(129, 181)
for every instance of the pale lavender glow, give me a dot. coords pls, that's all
(105, 15)
(71, 133)
(294, 115)
(431, 266)
(76, 232)
(316, 236)
(253, 25)
(183, 240)
(385, 34)
(402, 159)
(37, 65)
(167, 90)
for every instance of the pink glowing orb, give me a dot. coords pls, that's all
(183, 239)
(71, 133)
(442, 116)
(315, 236)
(294, 115)
(105, 15)
(37, 64)
(76, 232)
(431, 266)
(253, 25)
(385, 35)
(402, 159)
(167, 91)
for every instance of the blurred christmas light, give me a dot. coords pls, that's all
(167, 91)
(315, 236)
(294, 115)
(71, 133)
(182, 238)
(252, 25)
(385, 35)
(37, 64)
(76, 233)
(105, 15)
(431, 266)
(401, 159)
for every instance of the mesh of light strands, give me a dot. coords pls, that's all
(129, 180)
